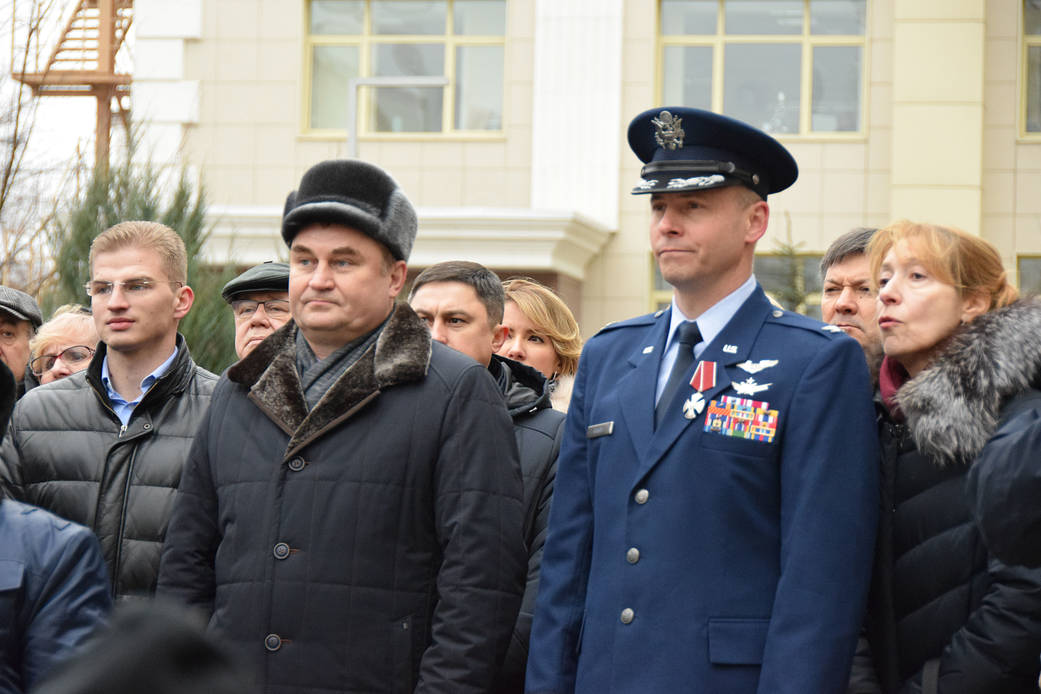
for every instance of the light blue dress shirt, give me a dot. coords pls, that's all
(710, 323)
(121, 407)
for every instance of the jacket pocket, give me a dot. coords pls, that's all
(737, 641)
(402, 638)
(12, 574)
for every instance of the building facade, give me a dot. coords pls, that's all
(511, 142)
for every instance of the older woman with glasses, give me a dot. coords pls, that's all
(64, 344)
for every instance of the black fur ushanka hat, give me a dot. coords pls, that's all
(355, 194)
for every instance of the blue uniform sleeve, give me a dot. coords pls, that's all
(556, 628)
(66, 600)
(829, 512)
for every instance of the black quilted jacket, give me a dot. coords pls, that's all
(66, 451)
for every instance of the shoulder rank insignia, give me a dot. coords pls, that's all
(668, 133)
(754, 367)
(750, 387)
(831, 328)
(742, 419)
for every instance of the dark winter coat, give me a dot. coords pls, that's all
(1004, 484)
(371, 544)
(67, 451)
(538, 429)
(942, 603)
(53, 592)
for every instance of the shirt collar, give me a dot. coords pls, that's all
(711, 322)
(146, 382)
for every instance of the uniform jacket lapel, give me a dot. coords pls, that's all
(636, 389)
(732, 346)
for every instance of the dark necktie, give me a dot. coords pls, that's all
(687, 335)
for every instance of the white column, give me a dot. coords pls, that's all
(576, 121)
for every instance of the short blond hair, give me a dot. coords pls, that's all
(148, 235)
(65, 319)
(966, 262)
(551, 317)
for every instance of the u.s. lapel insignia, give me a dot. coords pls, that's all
(754, 367)
(648, 349)
(704, 376)
(730, 349)
(831, 328)
(694, 405)
(667, 131)
(750, 387)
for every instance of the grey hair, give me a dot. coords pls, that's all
(851, 243)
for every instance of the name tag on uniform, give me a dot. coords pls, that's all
(597, 430)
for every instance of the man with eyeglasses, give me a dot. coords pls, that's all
(105, 447)
(259, 300)
(19, 318)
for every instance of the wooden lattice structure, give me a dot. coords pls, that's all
(83, 63)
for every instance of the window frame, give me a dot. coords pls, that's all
(1027, 41)
(806, 40)
(364, 42)
(1020, 257)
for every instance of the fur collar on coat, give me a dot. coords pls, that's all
(401, 355)
(953, 406)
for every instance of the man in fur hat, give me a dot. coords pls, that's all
(351, 514)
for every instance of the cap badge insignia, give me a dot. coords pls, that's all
(693, 405)
(696, 181)
(667, 131)
(646, 184)
(754, 367)
(750, 387)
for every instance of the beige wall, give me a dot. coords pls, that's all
(941, 138)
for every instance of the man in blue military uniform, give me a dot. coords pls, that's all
(714, 517)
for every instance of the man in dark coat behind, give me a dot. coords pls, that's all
(351, 512)
(462, 303)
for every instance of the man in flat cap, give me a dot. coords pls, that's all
(19, 319)
(714, 514)
(259, 300)
(351, 515)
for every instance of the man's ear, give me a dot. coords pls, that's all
(398, 274)
(757, 219)
(185, 298)
(499, 333)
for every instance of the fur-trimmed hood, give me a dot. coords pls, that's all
(953, 406)
(401, 355)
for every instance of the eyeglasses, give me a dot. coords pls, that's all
(70, 355)
(274, 308)
(138, 287)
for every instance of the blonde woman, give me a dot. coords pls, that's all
(63, 345)
(542, 333)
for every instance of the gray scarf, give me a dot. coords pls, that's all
(318, 375)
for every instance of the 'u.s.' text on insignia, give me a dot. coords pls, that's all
(750, 387)
(754, 367)
(730, 349)
(741, 418)
(695, 182)
(831, 328)
(693, 405)
(646, 184)
(667, 131)
(648, 349)
(704, 376)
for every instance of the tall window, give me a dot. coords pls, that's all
(462, 40)
(1032, 73)
(786, 66)
(1030, 274)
